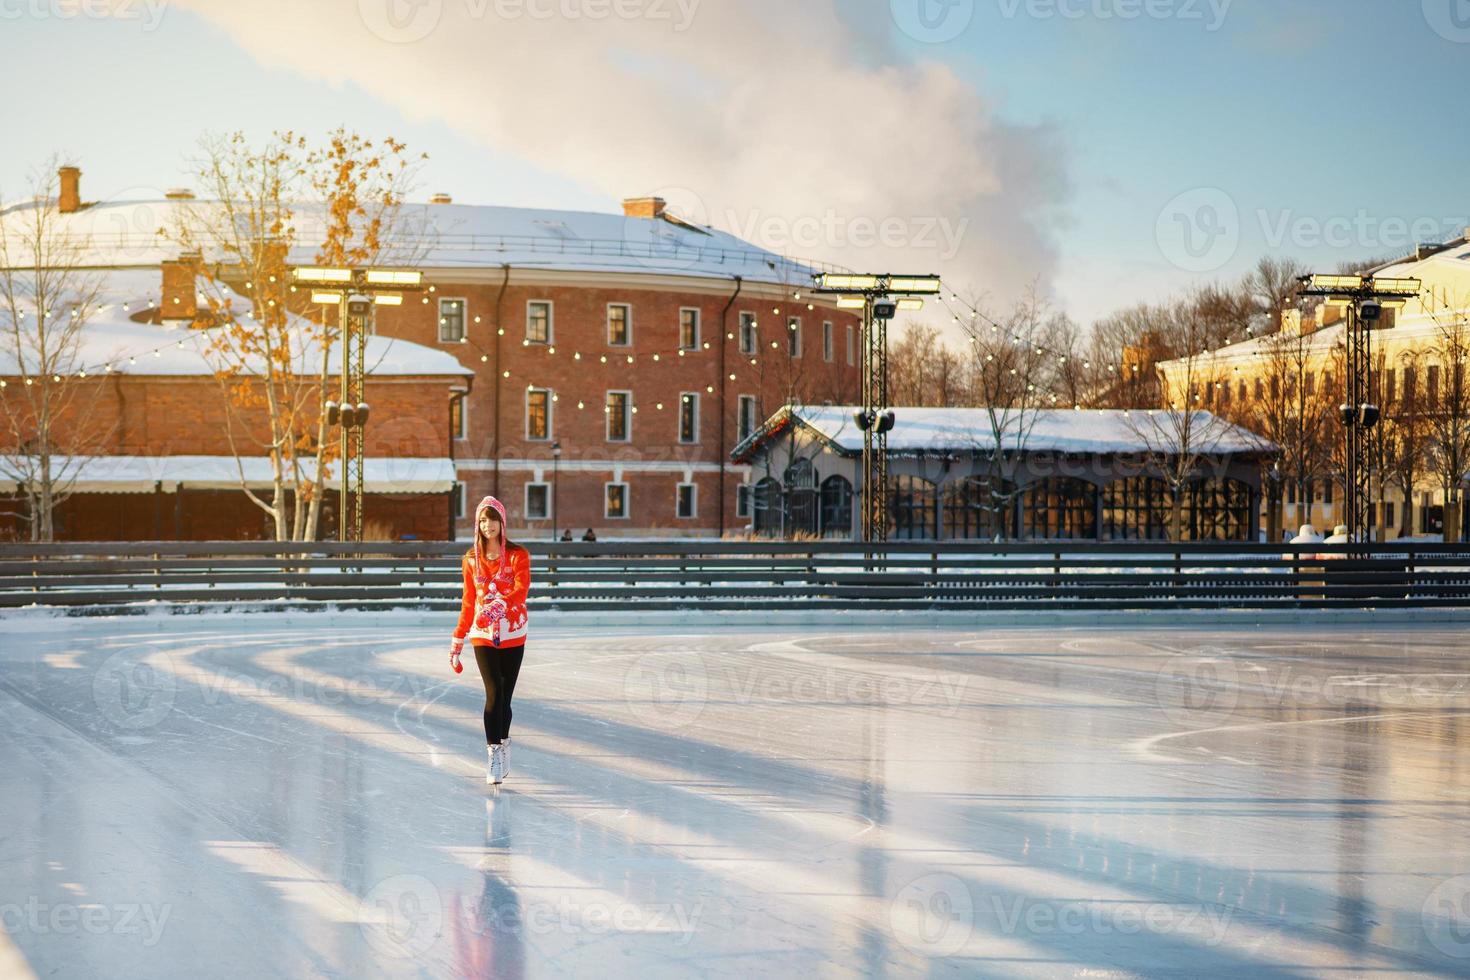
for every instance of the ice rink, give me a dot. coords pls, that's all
(265, 795)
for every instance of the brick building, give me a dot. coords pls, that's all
(155, 455)
(612, 360)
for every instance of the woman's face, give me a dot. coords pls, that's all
(490, 525)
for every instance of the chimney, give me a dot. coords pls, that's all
(180, 300)
(70, 199)
(441, 198)
(643, 207)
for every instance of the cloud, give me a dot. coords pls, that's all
(783, 122)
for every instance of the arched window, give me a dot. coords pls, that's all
(1217, 510)
(801, 498)
(914, 508)
(766, 498)
(1059, 508)
(978, 507)
(1136, 508)
(836, 506)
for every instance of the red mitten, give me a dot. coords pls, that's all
(455, 646)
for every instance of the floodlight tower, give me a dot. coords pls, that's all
(879, 297)
(357, 293)
(1364, 298)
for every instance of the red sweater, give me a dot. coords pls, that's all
(494, 605)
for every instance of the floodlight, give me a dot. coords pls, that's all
(394, 277)
(1345, 284)
(318, 296)
(388, 299)
(851, 302)
(833, 281)
(910, 304)
(1403, 287)
(318, 274)
(914, 284)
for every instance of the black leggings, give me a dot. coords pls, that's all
(499, 668)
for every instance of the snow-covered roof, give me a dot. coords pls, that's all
(972, 430)
(139, 474)
(110, 337)
(456, 236)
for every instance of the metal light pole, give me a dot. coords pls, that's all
(1365, 298)
(357, 293)
(875, 296)
(555, 488)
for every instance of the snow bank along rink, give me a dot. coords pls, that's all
(268, 795)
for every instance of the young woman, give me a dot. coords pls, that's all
(492, 615)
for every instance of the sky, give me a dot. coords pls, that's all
(1105, 151)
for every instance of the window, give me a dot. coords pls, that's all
(748, 337)
(619, 324)
(456, 417)
(793, 336)
(457, 495)
(1261, 389)
(1311, 383)
(619, 416)
(1388, 514)
(689, 328)
(685, 500)
(689, 417)
(826, 340)
(451, 321)
(538, 413)
(742, 500)
(538, 502)
(538, 321)
(745, 421)
(851, 347)
(614, 500)
(1388, 385)
(1327, 491)
(1431, 385)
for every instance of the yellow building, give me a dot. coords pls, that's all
(1288, 387)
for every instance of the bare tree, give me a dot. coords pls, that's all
(1403, 434)
(1295, 410)
(46, 298)
(272, 364)
(1012, 371)
(1447, 402)
(1179, 437)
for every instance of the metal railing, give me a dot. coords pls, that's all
(745, 575)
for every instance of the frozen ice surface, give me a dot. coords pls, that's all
(261, 796)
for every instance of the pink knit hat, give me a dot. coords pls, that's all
(489, 503)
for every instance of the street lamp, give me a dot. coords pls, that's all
(555, 484)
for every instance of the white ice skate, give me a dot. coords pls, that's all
(497, 765)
